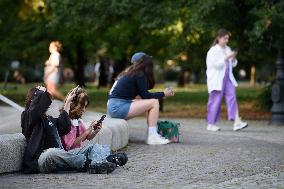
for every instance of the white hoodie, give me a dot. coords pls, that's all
(216, 67)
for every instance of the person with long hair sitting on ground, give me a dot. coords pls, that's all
(79, 133)
(44, 151)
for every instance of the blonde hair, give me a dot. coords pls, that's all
(79, 102)
(57, 44)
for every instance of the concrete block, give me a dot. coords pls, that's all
(12, 147)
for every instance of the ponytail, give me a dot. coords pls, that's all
(215, 42)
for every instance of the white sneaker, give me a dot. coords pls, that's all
(240, 125)
(211, 127)
(154, 139)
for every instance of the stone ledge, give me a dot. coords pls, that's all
(114, 133)
(12, 147)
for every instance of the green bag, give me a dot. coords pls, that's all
(169, 130)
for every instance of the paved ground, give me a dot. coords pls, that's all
(253, 158)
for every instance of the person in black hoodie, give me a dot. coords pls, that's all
(44, 151)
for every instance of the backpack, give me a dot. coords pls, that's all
(169, 130)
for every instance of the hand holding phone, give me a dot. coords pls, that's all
(168, 92)
(171, 88)
(98, 124)
(75, 89)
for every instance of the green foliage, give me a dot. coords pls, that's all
(117, 28)
(269, 25)
(264, 98)
(195, 95)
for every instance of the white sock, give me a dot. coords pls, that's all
(237, 118)
(152, 130)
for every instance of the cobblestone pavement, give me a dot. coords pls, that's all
(252, 158)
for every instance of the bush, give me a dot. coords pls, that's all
(264, 99)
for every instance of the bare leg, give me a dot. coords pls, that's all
(151, 108)
(141, 106)
(51, 88)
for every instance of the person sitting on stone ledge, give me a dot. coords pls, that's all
(79, 133)
(44, 151)
(129, 96)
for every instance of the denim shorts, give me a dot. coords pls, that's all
(118, 108)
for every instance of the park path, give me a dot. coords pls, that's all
(252, 158)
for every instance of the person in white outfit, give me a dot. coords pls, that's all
(221, 82)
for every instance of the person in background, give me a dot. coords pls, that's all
(220, 62)
(52, 70)
(134, 83)
(102, 69)
(17, 75)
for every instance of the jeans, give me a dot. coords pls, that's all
(57, 159)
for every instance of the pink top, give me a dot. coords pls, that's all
(77, 129)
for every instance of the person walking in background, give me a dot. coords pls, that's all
(134, 83)
(221, 83)
(102, 71)
(52, 70)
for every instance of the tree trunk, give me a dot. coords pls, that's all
(80, 64)
(103, 72)
(119, 66)
(181, 77)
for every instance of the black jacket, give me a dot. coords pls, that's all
(41, 131)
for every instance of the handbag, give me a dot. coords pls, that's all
(169, 130)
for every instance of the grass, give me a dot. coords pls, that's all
(188, 101)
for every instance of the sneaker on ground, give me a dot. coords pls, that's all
(240, 125)
(155, 139)
(102, 168)
(120, 159)
(212, 128)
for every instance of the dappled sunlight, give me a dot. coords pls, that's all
(30, 7)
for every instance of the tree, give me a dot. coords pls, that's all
(122, 27)
(23, 35)
(179, 30)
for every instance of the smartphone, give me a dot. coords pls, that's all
(100, 121)
(170, 87)
(76, 89)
